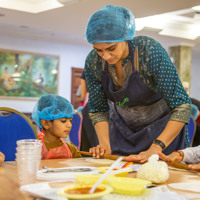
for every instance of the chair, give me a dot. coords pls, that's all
(191, 129)
(14, 126)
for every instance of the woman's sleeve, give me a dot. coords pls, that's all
(97, 99)
(166, 80)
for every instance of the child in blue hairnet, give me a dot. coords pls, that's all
(54, 114)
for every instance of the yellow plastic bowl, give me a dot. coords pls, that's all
(128, 186)
(106, 190)
(89, 179)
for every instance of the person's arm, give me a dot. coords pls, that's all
(192, 154)
(83, 89)
(164, 79)
(189, 155)
(97, 103)
(167, 136)
(102, 130)
(175, 156)
(179, 156)
(2, 157)
(171, 130)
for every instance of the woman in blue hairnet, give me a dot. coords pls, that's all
(150, 105)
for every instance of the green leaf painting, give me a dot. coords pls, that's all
(27, 74)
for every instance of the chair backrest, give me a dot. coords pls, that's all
(74, 134)
(14, 126)
(191, 129)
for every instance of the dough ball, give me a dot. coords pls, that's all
(154, 170)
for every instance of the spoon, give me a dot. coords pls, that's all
(105, 174)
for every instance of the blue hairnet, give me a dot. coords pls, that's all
(50, 107)
(111, 24)
(194, 111)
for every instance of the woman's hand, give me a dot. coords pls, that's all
(99, 151)
(144, 156)
(2, 157)
(194, 167)
(175, 156)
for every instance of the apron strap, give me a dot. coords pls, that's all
(136, 60)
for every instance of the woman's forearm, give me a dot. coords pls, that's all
(102, 130)
(170, 132)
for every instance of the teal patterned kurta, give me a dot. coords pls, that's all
(155, 69)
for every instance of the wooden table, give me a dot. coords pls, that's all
(176, 176)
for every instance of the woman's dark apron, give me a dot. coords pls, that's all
(138, 115)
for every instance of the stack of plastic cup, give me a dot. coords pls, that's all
(28, 156)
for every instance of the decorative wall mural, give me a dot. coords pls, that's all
(27, 75)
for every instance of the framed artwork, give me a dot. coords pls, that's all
(27, 75)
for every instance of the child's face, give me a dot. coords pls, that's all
(60, 127)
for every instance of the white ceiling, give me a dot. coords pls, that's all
(67, 23)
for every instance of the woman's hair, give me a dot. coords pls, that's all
(111, 24)
(50, 107)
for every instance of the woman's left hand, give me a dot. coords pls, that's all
(143, 157)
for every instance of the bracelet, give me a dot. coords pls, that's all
(160, 143)
(179, 153)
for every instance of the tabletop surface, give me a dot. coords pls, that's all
(176, 176)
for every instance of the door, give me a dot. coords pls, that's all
(75, 87)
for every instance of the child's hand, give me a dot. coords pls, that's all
(2, 157)
(194, 167)
(175, 156)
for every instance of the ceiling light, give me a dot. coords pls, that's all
(196, 8)
(31, 6)
(173, 24)
(179, 34)
(67, 2)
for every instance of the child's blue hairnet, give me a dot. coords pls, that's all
(111, 24)
(50, 107)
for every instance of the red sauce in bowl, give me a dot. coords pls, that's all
(82, 190)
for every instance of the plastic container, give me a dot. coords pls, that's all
(89, 179)
(106, 189)
(128, 186)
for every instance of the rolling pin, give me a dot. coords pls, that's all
(108, 156)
